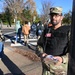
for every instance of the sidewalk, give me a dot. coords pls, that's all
(14, 63)
(5, 27)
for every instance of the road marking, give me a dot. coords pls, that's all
(17, 44)
(8, 40)
(31, 41)
(10, 33)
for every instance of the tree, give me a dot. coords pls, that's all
(31, 7)
(15, 6)
(45, 10)
(8, 16)
(67, 18)
(26, 15)
(3, 17)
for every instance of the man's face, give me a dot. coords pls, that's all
(55, 18)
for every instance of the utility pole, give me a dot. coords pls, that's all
(71, 65)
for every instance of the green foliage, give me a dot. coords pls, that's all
(3, 17)
(67, 18)
(20, 9)
(26, 14)
(8, 16)
(37, 19)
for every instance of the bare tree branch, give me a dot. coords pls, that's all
(45, 10)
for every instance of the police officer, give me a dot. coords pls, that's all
(53, 45)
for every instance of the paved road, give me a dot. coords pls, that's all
(20, 60)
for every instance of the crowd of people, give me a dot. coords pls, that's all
(28, 31)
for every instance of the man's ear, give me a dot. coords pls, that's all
(62, 18)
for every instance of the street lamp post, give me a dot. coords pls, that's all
(71, 65)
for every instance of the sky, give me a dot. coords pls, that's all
(1, 6)
(65, 4)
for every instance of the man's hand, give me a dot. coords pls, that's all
(60, 60)
(44, 55)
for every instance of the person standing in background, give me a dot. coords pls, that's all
(18, 32)
(40, 29)
(25, 31)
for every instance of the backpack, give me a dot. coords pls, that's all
(33, 27)
(39, 32)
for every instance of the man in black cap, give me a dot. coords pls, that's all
(53, 45)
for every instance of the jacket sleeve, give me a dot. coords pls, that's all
(39, 51)
(22, 29)
(65, 58)
(40, 44)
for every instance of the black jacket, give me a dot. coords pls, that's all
(58, 42)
